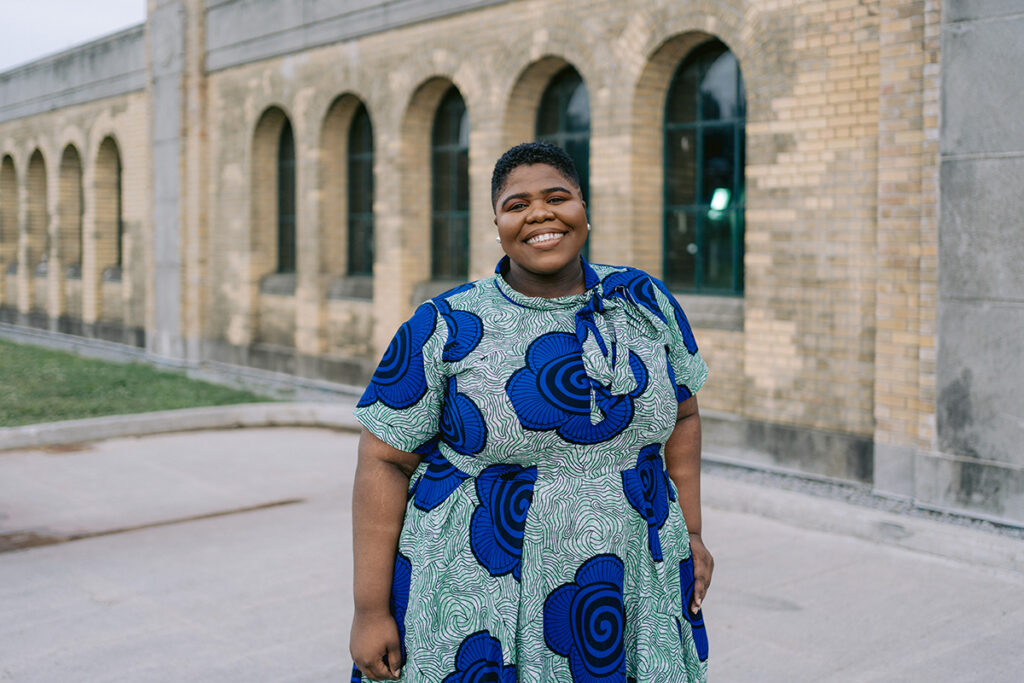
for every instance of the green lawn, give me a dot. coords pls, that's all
(40, 385)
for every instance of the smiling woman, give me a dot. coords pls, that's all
(527, 499)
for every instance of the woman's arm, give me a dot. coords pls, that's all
(682, 460)
(378, 508)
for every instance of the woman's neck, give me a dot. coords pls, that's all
(565, 282)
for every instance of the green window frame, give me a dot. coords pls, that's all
(704, 153)
(360, 194)
(286, 200)
(449, 162)
(563, 119)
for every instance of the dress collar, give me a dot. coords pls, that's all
(591, 285)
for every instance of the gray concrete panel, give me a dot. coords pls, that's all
(167, 61)
(113, 65)
(983, 87)
(977, 488)
(966, 10)
(242, 31)
(980, 411)
(981, 250)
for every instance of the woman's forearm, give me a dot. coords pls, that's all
(378, 508)
(682, 461)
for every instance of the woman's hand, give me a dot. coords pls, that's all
(703, 566)
(375, 647)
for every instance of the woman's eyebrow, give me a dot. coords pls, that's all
(524, 195)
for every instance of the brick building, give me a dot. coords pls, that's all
(276, 184)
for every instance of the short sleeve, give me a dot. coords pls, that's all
(402, 403)
(686, 367)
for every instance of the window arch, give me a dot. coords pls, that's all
(109, 210)
(704, 142)
(8, 217)
(449, 160)
(286, 200)
(360, 194)
(71, 208)
(563, 119)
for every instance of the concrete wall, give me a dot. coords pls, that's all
(242, 31)
(981, 284)
(113, 65)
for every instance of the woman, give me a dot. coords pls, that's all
(525, 438)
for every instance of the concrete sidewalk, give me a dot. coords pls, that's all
(225, 556)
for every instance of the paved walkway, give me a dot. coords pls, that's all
(224, 556)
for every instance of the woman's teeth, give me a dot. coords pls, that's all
(546, 237)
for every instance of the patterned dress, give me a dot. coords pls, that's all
(542, 538)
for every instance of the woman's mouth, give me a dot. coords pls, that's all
(545, 237)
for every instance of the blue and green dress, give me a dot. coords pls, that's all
(542, 538)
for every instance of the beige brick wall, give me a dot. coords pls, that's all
(49, 157)
(838, 321)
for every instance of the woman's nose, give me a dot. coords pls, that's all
(539, 212)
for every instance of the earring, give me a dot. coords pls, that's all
(497, 238)
(588, 227)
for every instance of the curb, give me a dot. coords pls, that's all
(328, 415)
(803, 510)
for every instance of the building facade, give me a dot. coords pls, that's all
(276, 184)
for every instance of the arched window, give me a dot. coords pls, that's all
(109, 205)
(705, 117)
(8, 217)
(360, 194)
(563, 119)
(71, 210)
(449, 157)
(286, 200)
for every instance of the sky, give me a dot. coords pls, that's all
(30, 29)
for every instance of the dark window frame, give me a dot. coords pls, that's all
(554, 105)
(286, 200)
(360, 226)
(449, 189)
(700, 210)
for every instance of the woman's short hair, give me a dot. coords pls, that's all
(526, 154)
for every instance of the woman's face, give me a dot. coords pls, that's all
(541, 219)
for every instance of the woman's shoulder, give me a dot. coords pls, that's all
(612, 276)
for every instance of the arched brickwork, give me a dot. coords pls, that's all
(413, 244)
(105, 268)
(9, 237)
(334, 186)
(35, 257)
(274, 313)
(66, 275)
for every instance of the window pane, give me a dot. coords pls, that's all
(718, 88)
(577, 114)
(461, 162)
(286, 201)
(681, 167)
(681, 106)
(717, 165)
(717, 251)
(680, 249)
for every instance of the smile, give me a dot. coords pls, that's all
(545, 237)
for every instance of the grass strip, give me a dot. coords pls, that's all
(43, 385)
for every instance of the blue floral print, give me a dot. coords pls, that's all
(497, 525)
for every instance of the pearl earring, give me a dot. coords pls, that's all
(588, 226)
(497, 238)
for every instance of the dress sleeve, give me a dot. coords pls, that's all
(402, 404)
(686, 368)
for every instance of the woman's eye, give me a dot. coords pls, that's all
(557, 200)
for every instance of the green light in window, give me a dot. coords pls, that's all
(720, 199)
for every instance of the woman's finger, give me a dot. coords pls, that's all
(394, 659)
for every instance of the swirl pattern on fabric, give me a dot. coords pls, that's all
(438, 480)
(647, 490)
(586, 621)
(497, 525)
(462, 424)
(634, 286)
(684, 325)
(553, 391)
(465, 330)
(479, 660)
(400, 381)
(398, 601)
(682, 391)
(686, 584)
